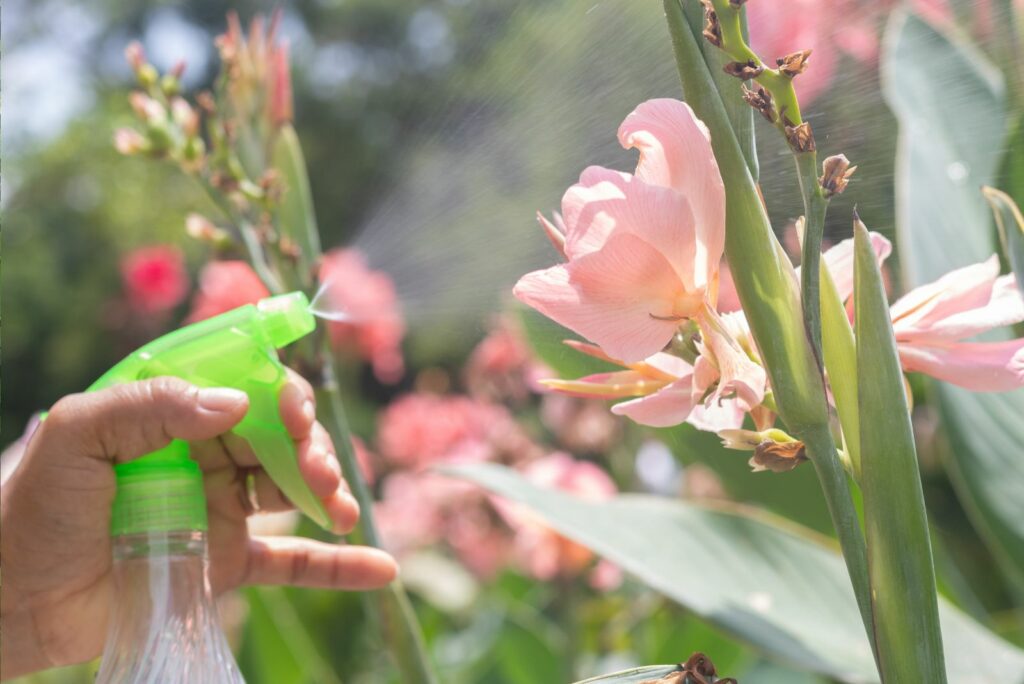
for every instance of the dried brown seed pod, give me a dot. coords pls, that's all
(794, 63)
(744, 70)
(800, 138)
(836, 172)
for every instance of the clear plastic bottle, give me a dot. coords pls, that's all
(163, 622)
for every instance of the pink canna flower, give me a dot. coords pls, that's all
(373, 327)
(226, 285)
(154, 278)
(644, 253)
(932, 322)
(643, 250)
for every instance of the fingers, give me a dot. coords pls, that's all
(297, 406)
(128, 421)
(308, 563)
(317, 462)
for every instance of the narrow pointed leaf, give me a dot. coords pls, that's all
(772, 584)
(297, 217)
(840, 354)
(900, 566)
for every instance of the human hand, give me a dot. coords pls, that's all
(55, 511)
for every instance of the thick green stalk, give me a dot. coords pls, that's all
(815, 206)
(767, 288)
(903, 594)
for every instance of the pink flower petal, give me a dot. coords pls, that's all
(665, 408)
(607, 203)
(611, 297)
(968, 293)
(717, 416)
(675, 152)
(977, 366)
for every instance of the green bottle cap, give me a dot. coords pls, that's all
(160, 492)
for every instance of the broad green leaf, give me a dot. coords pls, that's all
(1010, 222)
(900, 566)
(770, 583)
(949, 147)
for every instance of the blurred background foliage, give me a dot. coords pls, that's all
(433, 130)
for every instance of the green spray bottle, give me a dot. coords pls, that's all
(164, 625)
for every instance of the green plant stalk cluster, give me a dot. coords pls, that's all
(767, 288)
(815, 202)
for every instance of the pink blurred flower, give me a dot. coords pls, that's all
(544, 553)
(154, 278)
(423, 509)
(420, 429)
(225, 285)
(373, 327)
(932, 322)
(826, 27)
(502, 367)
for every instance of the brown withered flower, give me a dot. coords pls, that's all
(778, 457)
(744, 70)
(698, 669)
(712, 29)
(794, 63)
(761, 100)
(800, 138)
(836, 172)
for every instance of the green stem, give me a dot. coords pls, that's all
(821, 450)
(815, 206)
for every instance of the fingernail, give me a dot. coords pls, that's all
(308, 410)
(221, 398)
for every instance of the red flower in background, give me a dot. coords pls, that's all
(373, 325)
(155, 278)
(226, 285)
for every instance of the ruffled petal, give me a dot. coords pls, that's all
(737, 373)
(714, 417)
(977, 366)
(607, 203)
(611, 297)
(675, 151)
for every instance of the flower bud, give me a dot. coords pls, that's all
(201, 228)
(185, 117)
(129, 141)
(146, 108)
(135, 55)
(836, 172)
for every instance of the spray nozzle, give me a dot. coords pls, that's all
(235, 349)
(286, 318)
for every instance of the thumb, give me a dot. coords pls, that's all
(124, 422)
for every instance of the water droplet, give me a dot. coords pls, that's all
(957, 172)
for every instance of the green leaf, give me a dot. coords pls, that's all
(778, 587)
(949, 147)
(840, 355)
(1010, 222)
(900, 566)
(278, 647)
(297, 217)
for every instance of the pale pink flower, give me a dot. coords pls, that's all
(128, 141)
(544, 553)
(643, 249)
(932, 322)
(154, 278)
(374, 327)
(226, 285)
(502, 366)
(643, 255)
